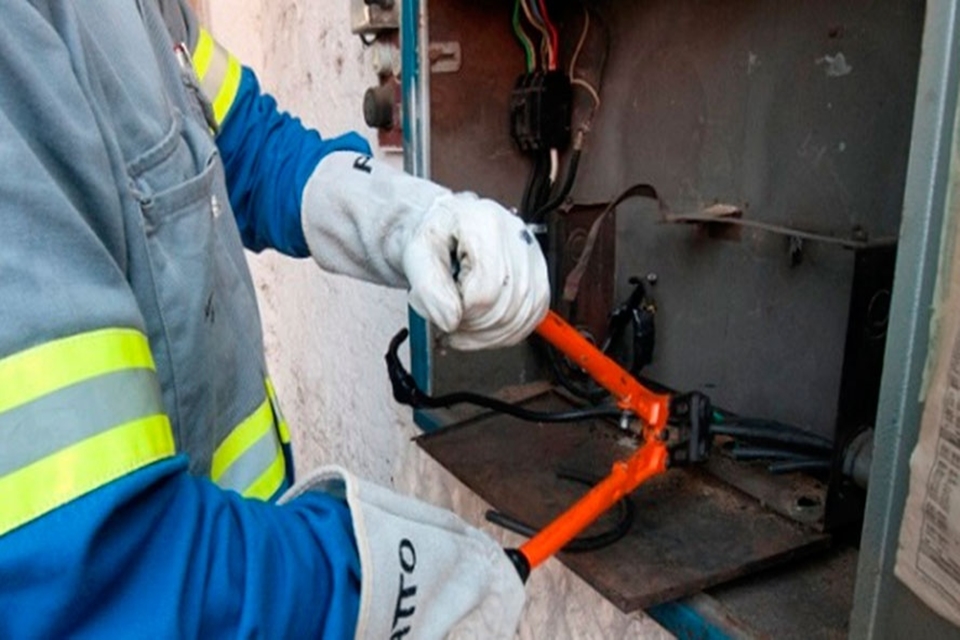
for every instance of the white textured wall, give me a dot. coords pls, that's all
(325, 335)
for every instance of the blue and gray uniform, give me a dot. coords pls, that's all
(136, 415)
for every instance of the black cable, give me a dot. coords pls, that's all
(799, 465)
(756, 453)
(804, 451)
(406, 391)
(539, 169)
(625, 517)
(784, 461)
(787, 437)
(776, 425)
(467, 397)
(541, 185)
(568, 179)
(587, 390)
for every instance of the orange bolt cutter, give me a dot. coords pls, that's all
(673, 429)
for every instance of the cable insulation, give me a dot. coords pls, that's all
(541, 28)
(553, 35)
(524, 39)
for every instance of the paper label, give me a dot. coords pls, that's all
(928, 557)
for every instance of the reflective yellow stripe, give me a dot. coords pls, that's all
(282, 425)
(30, 374)
(203, 54)
(243, 436)
(268, 483)
(228, 91)
(218, 72)
(250, 460)
(61, 477)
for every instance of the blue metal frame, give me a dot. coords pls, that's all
(415, 114)
(685, 621)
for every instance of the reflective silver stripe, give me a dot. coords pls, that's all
(252, 463)
(39, 428)
(212, 80)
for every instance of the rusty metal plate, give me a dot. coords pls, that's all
(691, 531)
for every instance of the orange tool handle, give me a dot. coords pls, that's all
(649, 460)
(625, 476)
(650, 407)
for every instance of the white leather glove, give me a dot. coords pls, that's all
(425, 573)
(471, 266)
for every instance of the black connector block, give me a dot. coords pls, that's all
(691, 414)
(540, 107)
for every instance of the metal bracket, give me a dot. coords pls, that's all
(445, 57)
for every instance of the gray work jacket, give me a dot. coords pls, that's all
(130, 219)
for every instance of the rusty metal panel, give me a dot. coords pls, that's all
(799, 114)
(469, 110)
(796, 112)
(691, 531)
(471, 149)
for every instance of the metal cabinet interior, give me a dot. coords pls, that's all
(798, 114)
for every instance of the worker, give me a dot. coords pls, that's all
(142, 447)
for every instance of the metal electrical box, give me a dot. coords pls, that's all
(372, 17)
(798, 116)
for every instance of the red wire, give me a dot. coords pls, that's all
(554, 38)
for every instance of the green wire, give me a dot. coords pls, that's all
(522, 36)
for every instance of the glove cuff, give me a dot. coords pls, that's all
(358, 214)
(425, 572)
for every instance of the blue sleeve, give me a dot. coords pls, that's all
(269, 157)
(162, 554)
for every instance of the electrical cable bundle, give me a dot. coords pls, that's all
(542, 119)
(543, 193)
(536, 15)
(786, 447)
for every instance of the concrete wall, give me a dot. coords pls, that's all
(325, 335)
